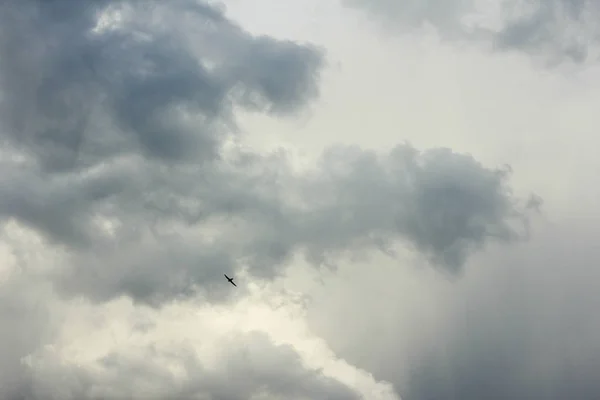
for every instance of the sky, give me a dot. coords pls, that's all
(403, 191)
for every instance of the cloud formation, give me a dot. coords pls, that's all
(88, 114)
(113, 110)
(120, 125)
(123, 175)
(555, 30)
(185, 351)
(445, 205)
(107, 78)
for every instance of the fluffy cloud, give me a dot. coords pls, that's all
(556, 30)
(77, 350)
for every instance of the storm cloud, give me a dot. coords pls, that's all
(125, 177)
(120, 139)
(112, 112)
(531, 333)
(524, 326)
(89, 82)
(442, 204)
(89, 111)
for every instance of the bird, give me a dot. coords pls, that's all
(230, 280)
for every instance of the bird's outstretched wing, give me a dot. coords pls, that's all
(230, 280)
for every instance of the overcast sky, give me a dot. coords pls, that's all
(404, 191)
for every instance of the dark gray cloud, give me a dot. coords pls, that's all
(445, 205)
(529, 334)
(92, 114)
(114, 131)
(122, 118)
(78, 95)
(555, 30)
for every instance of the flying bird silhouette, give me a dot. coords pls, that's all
(230, 280)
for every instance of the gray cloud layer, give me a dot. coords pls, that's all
(444, 204)
(521, 324)
(556, 30)
(531, 336)
(116, 134)
(528, 331)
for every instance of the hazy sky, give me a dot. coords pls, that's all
(404, 191)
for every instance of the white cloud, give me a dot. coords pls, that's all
(247, 350)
